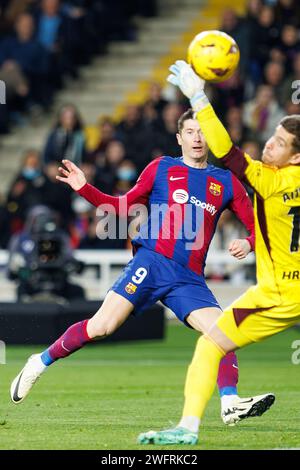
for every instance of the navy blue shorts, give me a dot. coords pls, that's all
(150, 277)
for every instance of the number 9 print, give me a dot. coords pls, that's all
(139, 275)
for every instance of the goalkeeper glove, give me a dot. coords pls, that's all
(189, 83)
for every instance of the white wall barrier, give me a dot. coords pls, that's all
(105, 263)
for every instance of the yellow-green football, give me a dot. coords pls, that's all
(214, 55)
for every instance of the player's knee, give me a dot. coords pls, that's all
(223, 343)
(221, 340)
(101, 329)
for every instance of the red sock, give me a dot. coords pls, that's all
(228, 375)
(73, 339)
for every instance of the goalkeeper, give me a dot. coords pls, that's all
(273, 304)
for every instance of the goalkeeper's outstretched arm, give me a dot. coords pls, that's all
(192, 87)
(261, 177)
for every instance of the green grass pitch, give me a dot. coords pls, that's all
(104, 396)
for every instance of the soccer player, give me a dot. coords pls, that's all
(273, 304)
(169, 262)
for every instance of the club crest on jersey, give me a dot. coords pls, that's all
(130, 288)
(215, 189)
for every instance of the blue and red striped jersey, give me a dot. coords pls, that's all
(184, 205)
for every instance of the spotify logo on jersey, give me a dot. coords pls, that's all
(181, 196)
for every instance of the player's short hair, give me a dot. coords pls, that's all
(292, 125)
(189, 114)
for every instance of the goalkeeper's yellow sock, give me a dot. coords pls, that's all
(201, 380)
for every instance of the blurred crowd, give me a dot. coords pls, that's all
(43, 42)
(250, 104)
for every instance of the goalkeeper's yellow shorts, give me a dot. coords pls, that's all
(248, 319)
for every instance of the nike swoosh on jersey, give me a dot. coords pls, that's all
(173, 178)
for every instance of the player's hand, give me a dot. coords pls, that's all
(191, 85)
(72, 175)
(239, 248)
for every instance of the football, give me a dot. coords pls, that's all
(214, 55)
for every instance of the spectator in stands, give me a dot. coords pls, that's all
(26, 191)
(67, 139)
(155, 98)
(57, 196)
(287, 11)
(253, 10)
(265, 38)
(122, 175)
(274, 76)
(136, 136)
(105, 133)
(15, 80)
(114, 155)
(126, 176)
(262, 114)
(60, 28)
(234, 124)
(229, 93)
(81, 231)
(165, 141)
(83, 210)
(17, 94)
(84, 214)
(25, 51)
(49, 23)
(9, 12)
(150, 115)
(250, 24)
(289, 44)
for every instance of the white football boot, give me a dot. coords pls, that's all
(242, 408)
(25, 380)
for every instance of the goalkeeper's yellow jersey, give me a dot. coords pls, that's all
(277, 214)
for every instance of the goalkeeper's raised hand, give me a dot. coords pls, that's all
(191, 85)
(72, 175)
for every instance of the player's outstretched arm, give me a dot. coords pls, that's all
(75, 178)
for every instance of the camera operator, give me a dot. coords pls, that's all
(41, 259)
